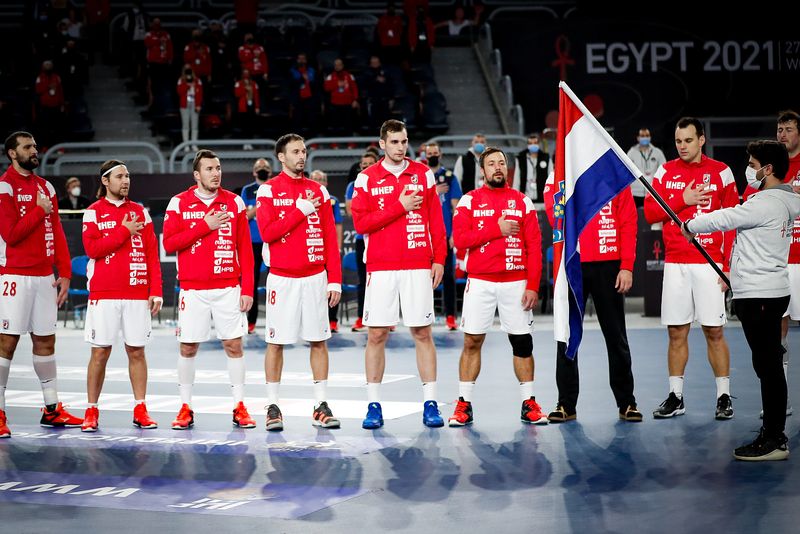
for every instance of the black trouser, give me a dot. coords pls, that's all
(761, 322)
(252, 315)
(599, 278)
(362, 275)
(449, 281)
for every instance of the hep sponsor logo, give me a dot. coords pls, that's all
(24, 198)
(106, 225)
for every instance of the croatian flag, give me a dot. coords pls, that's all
(591, 169)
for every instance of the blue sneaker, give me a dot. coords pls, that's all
(374, 418)
(431, 416)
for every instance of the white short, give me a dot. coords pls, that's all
(28, 304)
(481, 298)
(107, 317)
(390, 291)
(691, 292)
(794, 291)
(196, 307)
(297, 308)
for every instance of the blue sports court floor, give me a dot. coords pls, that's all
(596, 474)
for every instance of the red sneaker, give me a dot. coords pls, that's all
(463, 413)
(4, 430)
(59, 418)
(90, 419)
(141, 418)
(334, 327)
(185, 418)
(251, 328)
(241, 418)
(451, 322)
(358, 326)
(532, 412)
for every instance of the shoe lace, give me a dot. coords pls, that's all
(273, 412)
(241, 411)
(324, 409)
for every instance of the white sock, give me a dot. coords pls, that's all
(92, 405)
(429, 391)
(236, 372)
(373, 391)
(723, 386)
(273, 389)
(5, 367)
(137, 402)
(676, 386)
(185, 379)
(526, 390)
(45, 367)
(320, 391)
(465, 390)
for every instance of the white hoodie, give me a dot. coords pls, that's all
(761, 250)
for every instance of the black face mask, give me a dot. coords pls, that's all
(433, 161)
(263, 174)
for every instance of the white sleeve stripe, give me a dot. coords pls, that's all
(147, 218)
(240, 204)
(659, 173)
(264, 191)
(727, 176)
(361, 181)
(431, 178)
(528, 205)
(89, 216)
(6, 189)
(326, 196)
(465, 202)
(50, 188)
(174, 205)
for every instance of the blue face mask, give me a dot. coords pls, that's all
(533, 149)
(479, 148)
(644, 141)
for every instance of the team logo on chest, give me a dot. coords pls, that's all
(414, 179)
(512, 204)
(706, 179)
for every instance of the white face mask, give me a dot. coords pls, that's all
(752, 177)
(75, 191)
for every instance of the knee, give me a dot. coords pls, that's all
(714, 334)
(189, 350)
(472, 343)
(678, 334)
(233, 347)
(422, 334)
(377, 335)
(521, 345)
(135, 354)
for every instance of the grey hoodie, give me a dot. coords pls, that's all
(764, 232)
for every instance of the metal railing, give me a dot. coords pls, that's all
(73, 159)
(262, 148)
(465, 140)
(490, 60)
(106, 150)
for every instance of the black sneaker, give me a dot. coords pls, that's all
(561, 415)
(274, 418)
(631, 414)
(669, 408)
(724, 407)
(763, 448)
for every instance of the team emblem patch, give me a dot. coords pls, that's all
(706, 179)
(512, 204)
(5, 324)
(272, 333)
(92, 333)
(414, 179)
(366, 316)
(178, 331)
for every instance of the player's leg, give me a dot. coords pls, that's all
(381, 311)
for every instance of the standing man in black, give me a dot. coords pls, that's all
(262, 171)
(467, 169)
(533, 166)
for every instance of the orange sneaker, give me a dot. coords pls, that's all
(334, 327)
(358, 326)
(241, 418)
(90, 419)
(251, 328)
(451, 322)
(185, 418)
(4, 430)
(462, 415)
(141, 418)
(59, 418)
(532, 412)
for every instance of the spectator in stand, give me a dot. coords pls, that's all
(253, 58)
(390, 35)
(73, 70)
(98, 14)
(421, 36)
(197, 54)
(50, 104)
(460, 21)
(74, 26)
(322, 179)
(262, 171)
(648, 159)
(135, 24)
(533, 167)
(305, 104)
(73, 200)
(466, 168)
(222, 60)
(379, 93)
(248, 105)
(357, 166)
(190, 94)
(158, 45)
(343, 92)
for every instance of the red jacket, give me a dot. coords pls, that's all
(159, 47)
(490, 255)
(390, 30)
(611, 234)
(49, 90)
(121, 265)
(31, 242)
(240, 92)
(414, 34)
(396, 239)
(669, 181)
(299, 245)
(183, 92)
(209, 259)
(198, 55)
(344, 95)
(253, 58)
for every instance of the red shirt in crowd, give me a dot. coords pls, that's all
(49, 90)
(198, 55)
(342, 87)
(193, 90)
(245, 100)
(159, 47)
(253, 58)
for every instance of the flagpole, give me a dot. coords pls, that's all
(676, 220)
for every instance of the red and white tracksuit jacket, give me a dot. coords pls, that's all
(31, 242)
(395, 239)
(253, 58)
(300, 243)
(121, 265)
(210, 259)
(669, 181)
(489, 255)
(610, 235)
